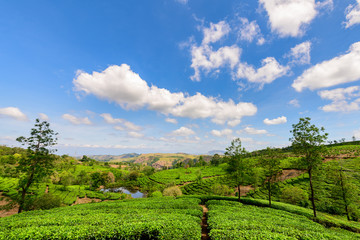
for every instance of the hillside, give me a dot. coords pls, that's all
(107, 158)
(158, 160)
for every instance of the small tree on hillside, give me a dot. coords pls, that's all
(239, 168)
(344, 192)
(308, 141)
(270, 161)
(39, 162)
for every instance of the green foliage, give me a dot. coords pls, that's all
(47, 201)
(239, 168)
(222, 190)
(156, 194)
(308, 141)
(38, 163)
(295, 195)
(157, 218)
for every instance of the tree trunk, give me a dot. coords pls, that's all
(22, 200)
(24, 190)
(312, 192)
(239, 193)
(269, 185)
(344, 195)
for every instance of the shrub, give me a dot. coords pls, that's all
(295, 195)
(156, 194)
(172, 191)
(221, 190)
(47, 201)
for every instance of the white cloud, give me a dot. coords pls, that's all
(204, 58)
(199, 106)
(250, 130)
(342, 69)
(343, 99)
(267, 73)
(109, 119)
(182, 1)
(248, 31)
(125, 124)
(352, 14)
(14, 113)
(183, 131)
(131, 126)
(171, 120)
(215, 32)
(43, 117)
(294, 102)
(291, 17)
(76, 120)
(221, 133)
(119, 128)
(135, 135)
(233, 123)
(300, 54)
(275, 121)
(119, 84)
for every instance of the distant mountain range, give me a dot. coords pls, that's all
(108, 158)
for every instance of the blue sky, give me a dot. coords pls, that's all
(114, 77)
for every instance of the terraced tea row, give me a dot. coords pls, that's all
(233, 220)
(161, 218)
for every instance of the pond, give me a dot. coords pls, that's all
(133, 192)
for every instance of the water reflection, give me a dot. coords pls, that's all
(133, 192)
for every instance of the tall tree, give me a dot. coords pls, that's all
(308, 141)
(270, 161)
(239, 168)
(39, 162)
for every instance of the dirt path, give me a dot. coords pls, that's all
(4, 201)
(204, 224)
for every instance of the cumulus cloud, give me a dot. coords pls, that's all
(43, 116)
(253, 131)
(75, 120)
(248, 31)
(125, 124)
(342, 69)
(204, 58)
(275, 121)
(291, 17)
(221, 133)
(267, 73)
(294, 102)
(171, 120)
(352, 14)
(121, 85)
(215, 32)
(135, 135)
(13, 112)
(300, 54)
(343, 99)
(183, 132)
